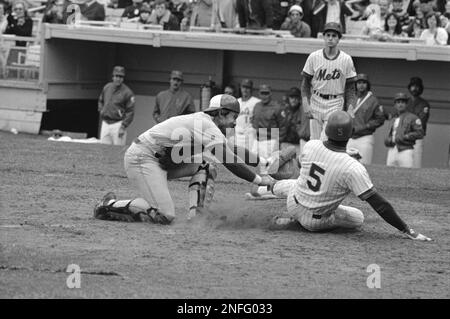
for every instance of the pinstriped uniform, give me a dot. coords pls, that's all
(326, 177)
(328, 78)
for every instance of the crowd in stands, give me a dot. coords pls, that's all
(380, 20)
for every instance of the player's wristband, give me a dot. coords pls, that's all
(257, 180)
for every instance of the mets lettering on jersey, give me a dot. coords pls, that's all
(327, 176)
(329, 75)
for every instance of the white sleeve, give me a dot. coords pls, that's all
(441, 36)
(358, 179)
(351, 72)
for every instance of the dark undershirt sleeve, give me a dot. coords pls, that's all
(386, 211)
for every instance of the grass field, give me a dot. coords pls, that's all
(48, 190)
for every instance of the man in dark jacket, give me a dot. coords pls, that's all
(367, 117)
(295, 126)
(255, 14)
(319, 12)
(116, 107)
(404, 130)
(420, 107)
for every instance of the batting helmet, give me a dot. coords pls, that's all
(400, 97)
(333, 26)
(339, 126)
(224, 101)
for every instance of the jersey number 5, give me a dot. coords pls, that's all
(313, 173)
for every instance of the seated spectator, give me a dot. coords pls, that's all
(201, 13)
(374, 23)
(331, 11)
(400, 11)
(259, 17)
(224, 14)
(434, 34)
(392, 29)
(3, 18)
(445, 23)
(19, 23)
(294, 23)
(92, 11)
(144, 17)
(162, 16)
(133, 11)
(55, 12)
(280, 9)
(438, 5)
(417, 23)
(177, 8)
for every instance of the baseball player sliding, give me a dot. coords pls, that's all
(327, 84)
(327, 175)
(180, 146)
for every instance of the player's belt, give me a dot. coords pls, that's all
(315, 216)
(326, 96)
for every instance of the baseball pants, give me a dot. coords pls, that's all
(109, 134)
(341, 217)
(364, 145)
(321, 110)
(404, 158)
(417, 154)
(150, 180)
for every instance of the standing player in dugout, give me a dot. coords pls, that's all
(327, 84)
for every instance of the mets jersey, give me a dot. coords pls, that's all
(244, 120)
(197, 130)
(329, 76)
(327, 176)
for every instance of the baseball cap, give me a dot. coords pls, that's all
(265, 88)
(333, 26)
(224, 101)
(294, 92)
(176, 75)
(296, 8)
(247, 83)
(119, 70)
(362, 77)
(400, 96)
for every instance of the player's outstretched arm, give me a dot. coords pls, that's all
(236, 166)
(306, 94)
(388, 213)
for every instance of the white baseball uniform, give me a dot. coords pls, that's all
(328, 81)
(245, 133)
(141, 159)
(327, 176)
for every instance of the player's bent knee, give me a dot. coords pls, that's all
(349, 217)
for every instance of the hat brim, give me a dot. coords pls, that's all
(209, 109)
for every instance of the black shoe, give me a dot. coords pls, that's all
(100, 208)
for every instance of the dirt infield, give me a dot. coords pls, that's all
(48, 190)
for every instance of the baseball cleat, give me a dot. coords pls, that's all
(100, 209)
